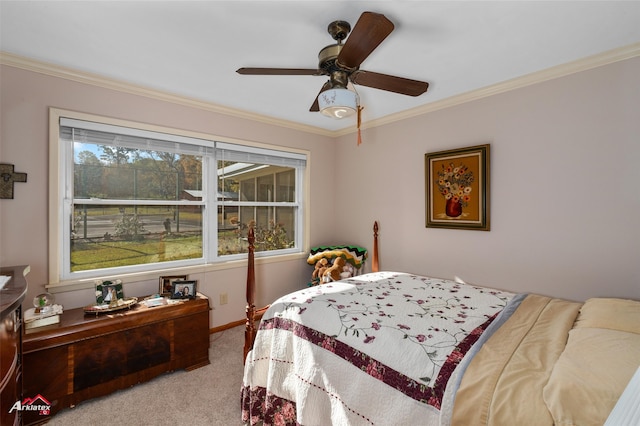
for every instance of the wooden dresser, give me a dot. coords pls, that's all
(86, 356)
(11, 296)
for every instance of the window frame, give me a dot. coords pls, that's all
(61, 168)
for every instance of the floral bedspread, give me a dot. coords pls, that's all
(404, 334)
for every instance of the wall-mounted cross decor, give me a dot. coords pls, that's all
(7, 178)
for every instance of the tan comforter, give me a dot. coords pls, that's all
(504, 380)
(553, 362)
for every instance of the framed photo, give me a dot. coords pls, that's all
(457, 188)
(108, 291)
(183, 289)
(166, 282)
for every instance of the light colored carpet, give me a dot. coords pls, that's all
(209, 395)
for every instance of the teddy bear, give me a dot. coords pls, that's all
(333, 273)
(348, 271)
(320, 267)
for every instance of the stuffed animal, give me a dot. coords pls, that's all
(348, 271)
(333, 273)
(319, 268)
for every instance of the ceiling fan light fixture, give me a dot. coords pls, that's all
(338, 103)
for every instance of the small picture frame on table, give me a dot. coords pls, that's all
(109, 291)
(184, 289)
(167, 281)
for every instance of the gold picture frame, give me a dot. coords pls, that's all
(166, 283)
(457, 188)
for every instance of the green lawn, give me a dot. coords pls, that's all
(97, 253)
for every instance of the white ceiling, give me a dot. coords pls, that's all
(193, 49)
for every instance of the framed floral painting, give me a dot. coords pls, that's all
(457, 188)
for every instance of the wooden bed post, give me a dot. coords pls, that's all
(374, 262)
(250, 326)
(254, 314)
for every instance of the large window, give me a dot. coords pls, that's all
(134, 200)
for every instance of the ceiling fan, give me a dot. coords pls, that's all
(341, 62)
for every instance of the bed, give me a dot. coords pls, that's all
(394, 348)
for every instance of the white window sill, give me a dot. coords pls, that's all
(86, 283)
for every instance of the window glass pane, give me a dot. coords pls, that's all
(264, 215)
(274, 230)
(248, 190)
(265, 188)
(255, 182)
(116, 173)
(247, 216)
(228, 218)
(138, 198)
(230, 241)
(232, 236)
(228, 184)
(285, 226)
(106, 236)
(286, 186)
(259, 183)
(272, 234)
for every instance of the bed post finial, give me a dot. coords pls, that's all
(374, 262)
(250, 327)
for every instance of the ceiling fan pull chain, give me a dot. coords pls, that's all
(359, 122)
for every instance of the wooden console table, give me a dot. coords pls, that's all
(86, 356)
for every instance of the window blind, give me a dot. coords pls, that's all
(105, 134)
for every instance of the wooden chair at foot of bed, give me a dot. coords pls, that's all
(253, 314)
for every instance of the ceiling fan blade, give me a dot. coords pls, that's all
(278, 71)
(370, 30)
(315, 107)
(390, 83)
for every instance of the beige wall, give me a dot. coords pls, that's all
(565, 188)
(565, 201)
(25, 101)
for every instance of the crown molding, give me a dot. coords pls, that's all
(594, 61)
(33, 65)
(584, 64)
